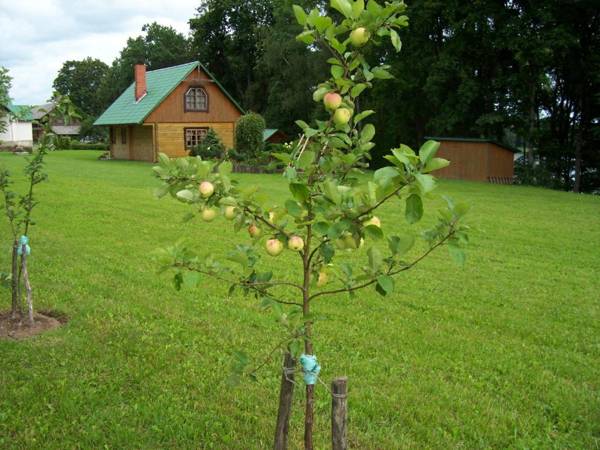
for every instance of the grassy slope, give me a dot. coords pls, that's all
(502, 353)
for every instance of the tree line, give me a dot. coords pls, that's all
(520, 72)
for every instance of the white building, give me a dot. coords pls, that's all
(18, 130)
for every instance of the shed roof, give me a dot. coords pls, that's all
(482, 140)
(160, 83)
(268, 132)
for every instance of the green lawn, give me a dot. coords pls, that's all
(503, 353)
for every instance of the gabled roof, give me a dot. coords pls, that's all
(39, 111)
(268, 132)
(464, 139)
(160, 83)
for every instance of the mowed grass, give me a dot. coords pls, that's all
(503, 353)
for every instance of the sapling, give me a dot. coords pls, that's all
(18, 208)
(330, 212)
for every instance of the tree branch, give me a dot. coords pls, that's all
(389, 271)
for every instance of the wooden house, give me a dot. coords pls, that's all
(476, 159)
(169, 111)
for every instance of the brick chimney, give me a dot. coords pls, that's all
(139, 75)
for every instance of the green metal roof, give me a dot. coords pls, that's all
(160, 83)
(21, 112)
(483, 140)
(268, 132)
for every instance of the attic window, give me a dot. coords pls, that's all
(196, 99)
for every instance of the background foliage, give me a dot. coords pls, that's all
(517, 84)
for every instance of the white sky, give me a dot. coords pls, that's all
(37, 36)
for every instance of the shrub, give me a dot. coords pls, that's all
(76, 145)
(249, 135)
(211, 146)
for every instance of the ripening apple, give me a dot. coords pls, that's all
(296, 243)
(229, 212)
(373, 221)
(206, 189)
(208, 214)
(323, 278)
(274, 246)
(332, 101)
(342, 116)
(254, 230)
(359, 36)
(346, 242)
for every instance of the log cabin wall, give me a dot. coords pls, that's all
(171, 136)
(170, 118)
(118, 148)
(142, 143)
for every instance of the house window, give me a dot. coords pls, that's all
(193, 136)
(196, 99)
(123, 135)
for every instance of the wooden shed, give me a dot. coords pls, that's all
(476, 159)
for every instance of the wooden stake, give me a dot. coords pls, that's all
(339, 413)
(286, 393)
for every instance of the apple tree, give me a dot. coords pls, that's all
(333, 201)
(18, 207)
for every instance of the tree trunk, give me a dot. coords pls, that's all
(14, 282)
(27, 285)
(578, 144)
(286, 393)
(308, 347)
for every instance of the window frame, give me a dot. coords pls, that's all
(123, 135)
(185, 103)
(185, 140)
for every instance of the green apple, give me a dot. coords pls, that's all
(230, 212)
(206, 189)
(359, 36)
(373, 221)
(342, 116)
(323, 278)
(296, 243)
(332, 101)
(274, 246)
(208, 214)
(254, 231)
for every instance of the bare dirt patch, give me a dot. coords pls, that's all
(18, 328)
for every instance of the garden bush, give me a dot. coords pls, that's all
(249, 131)
(211, 147)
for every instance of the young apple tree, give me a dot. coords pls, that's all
(18, 208)
(331, 210)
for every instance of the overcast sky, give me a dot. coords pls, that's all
(37, 36)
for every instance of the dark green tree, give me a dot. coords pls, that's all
(5, 83)
(80, 81)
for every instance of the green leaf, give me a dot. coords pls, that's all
(399, 245)
(357, 90)
(299, 191)
(374, 232)
(321, 23)
(305, 159)
(302, 124)
(375, 259)
(457, 254)
(342, 6)
(186, 195)
(367, 133)
(414, 209)
(320, 93)
(300, 14)
(283, 157)
(363, 115)
(381, 74)
(428, 151)
(337, 72)
(293, 208)
(435, 164)
(426, 182)
(357, 8)
(308, 37)
(396, 42)
(385, 285)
